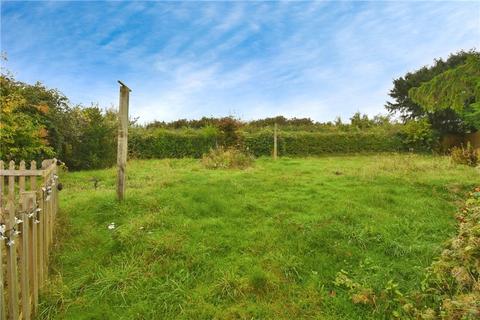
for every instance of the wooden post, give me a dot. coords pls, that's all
(12, 278)
(3, 310)
(275, 151)
(24, 256)
(122, 147)
(2, 186)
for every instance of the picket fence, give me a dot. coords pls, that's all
(28, 207)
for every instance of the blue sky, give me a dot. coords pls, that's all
(248, 59)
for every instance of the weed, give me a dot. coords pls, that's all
(467, 155)
(231, 158)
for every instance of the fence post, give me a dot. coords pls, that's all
(122, 147)
(275, 151)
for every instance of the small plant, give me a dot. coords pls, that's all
(259, 281)
(465, 155)
(230, 158)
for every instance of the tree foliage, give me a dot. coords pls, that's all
(457, 89)
(37, 123)
(444, 119)
(22, 133)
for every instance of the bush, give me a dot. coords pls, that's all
(230, 135)
(220, 158)
(465, 155)
(417, 135)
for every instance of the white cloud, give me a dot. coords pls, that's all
(185, 60)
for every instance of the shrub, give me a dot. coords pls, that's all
(465, 155)
(220, 158)
(230, 135)
(417, 135)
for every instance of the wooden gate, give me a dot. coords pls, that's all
(28, 206)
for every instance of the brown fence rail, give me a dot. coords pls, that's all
(28, 206)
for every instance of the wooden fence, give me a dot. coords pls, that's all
(453, 140)
(28, 206)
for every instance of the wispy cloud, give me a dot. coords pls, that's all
(255, 59)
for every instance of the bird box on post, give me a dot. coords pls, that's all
(122, 147)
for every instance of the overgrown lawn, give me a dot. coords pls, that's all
(261, 243)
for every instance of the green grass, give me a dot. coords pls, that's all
(261, 243)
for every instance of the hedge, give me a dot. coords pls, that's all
(315, 143)
(194, 143)
(169, 143)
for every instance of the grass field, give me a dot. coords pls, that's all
(261, 243)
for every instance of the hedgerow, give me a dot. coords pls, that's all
(161, 143)
(316, 143)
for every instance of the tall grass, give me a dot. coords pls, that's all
(263, 243)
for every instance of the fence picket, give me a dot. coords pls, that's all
(24, 255)
(2, 187)
(3, 312)
(12, 277)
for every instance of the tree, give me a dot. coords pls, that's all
(361, 121)
(457, 89)
(442, 120)
(22, 136)
(38, 123)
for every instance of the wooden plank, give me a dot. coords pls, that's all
(24, 255)
(41, 240)
(33, 261)
(12, 276)
(275, 151)
(44, 222)
(122, 140)
(21, 179)
(3, 311)
(2, 186)
(33, 178)
(19, 173)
